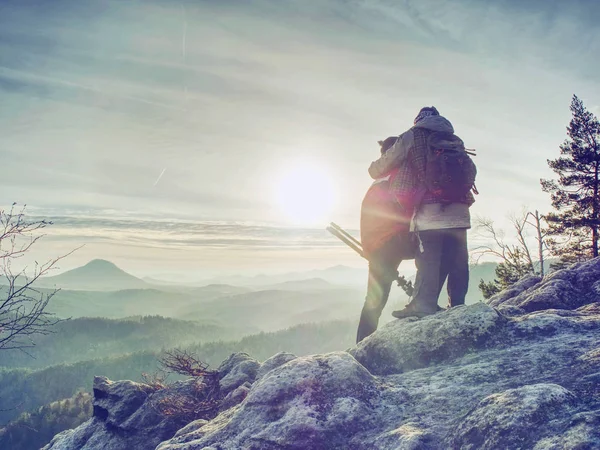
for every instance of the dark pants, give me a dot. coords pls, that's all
(444, 256)
(383, 271)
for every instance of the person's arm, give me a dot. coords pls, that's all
(393, 157)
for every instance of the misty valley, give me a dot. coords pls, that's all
(117, 325)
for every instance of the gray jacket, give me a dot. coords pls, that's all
(400, 150)
(429, 216)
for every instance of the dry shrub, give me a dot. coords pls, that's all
(201, 400)
(156, 380)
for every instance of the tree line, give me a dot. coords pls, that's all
(95, 337)
(25, 390)
(569, 233)
(33, 430)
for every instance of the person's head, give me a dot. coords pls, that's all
(387, 143)
(426, 112)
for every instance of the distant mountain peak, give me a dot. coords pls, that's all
(98, 274)
(98, 263)
(100, 266)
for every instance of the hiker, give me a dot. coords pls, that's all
(384, 232)
(434, 177)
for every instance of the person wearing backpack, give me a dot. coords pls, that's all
(434, 177)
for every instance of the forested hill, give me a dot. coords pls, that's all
(25, 389)
(91, 338)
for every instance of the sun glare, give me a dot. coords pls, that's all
(305, 194)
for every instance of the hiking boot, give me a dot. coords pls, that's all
(411, 311)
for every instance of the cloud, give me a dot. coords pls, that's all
(99, 99)
(190, 249)
(164, 233)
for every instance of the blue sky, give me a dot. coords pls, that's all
(123, 120)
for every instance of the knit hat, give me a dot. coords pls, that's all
(387, 143)
(426, 112)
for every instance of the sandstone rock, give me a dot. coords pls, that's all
(514, 291)
(273, 362)
(510, 311)
(583, 432)
(506, 420)
(568, 288)
(590, 308)
(591, 357)
(235, 397)
(191, 427)
(115, 401)
(236, 370)
(196, 433)
(408, 436)
(316, 402)
(124, 418)
(409, 344)
(553, 321)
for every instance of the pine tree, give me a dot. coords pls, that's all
(514, 267)
(574, 225)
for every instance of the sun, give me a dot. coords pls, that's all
(305, 194)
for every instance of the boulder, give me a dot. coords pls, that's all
(235, 397)
(505, 296)
(236, 370)
(124, 418)
(409, 344)
(274, 362)
(582, 432)
(191, 427)
(116, 401)
(315, 402)
(506, 419)
(568, 288)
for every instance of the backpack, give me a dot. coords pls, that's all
(449, 170)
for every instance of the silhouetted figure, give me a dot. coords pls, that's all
(433, 176)
(384, 235)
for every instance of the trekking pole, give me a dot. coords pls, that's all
(346, 239)
(355, 245)
(341, 230)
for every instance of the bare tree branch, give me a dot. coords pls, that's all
(23, 306)
(516, 260)
(519, 225)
